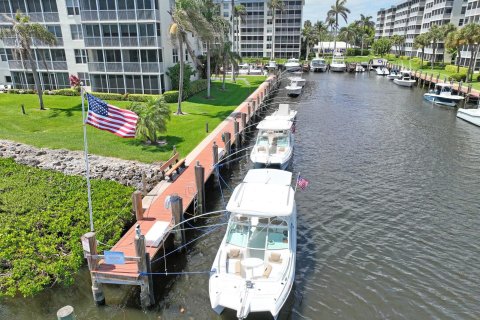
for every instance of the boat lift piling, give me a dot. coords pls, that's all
(200, 183)
(176, 203)
(236, 134)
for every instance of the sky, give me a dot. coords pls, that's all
(315, 10)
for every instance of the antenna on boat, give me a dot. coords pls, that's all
(296, 182)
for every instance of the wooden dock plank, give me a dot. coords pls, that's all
(184, 186)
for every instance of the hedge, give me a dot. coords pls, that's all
(357, 52)
(195, 87)
(458, 77)
(21, 91)
(171, 96)
(64, 92)
(108, 96)
(453, 68)
(140, 97)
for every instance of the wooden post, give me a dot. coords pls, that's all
(23, 109)
(249, 112)
(244, 126)
(215, 153)
(460, 87)
(200, 182)
(177, 213)
(206, 127)
(438, 77)
(420, 78)
(89, 244)
(150, 278)
(228, 141)
(137, 205)
(139, 242)
(66, 313)
(144, 184)
(236, 129)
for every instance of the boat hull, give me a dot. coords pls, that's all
(293, 68)
(469, 115)
(404, 83)
(294, 92)
(338, 68)
(444, 101)
(318, 68)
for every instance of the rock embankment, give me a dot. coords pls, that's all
(126, 172)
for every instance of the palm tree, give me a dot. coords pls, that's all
(455, 40)
(420, 42)
(321, 30)
(471, 35)
(225, 56)
(25, 32)
(365, 23)
(437, 34)
(348, 34)
(309, 37)
(398, 41)
(337, 9)
(152, 118)
(240, 12)
(214, 31)
(274, 6)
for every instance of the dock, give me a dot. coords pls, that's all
(429, 79)
(169, 203)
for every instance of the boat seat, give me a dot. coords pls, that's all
(281, 149)
(261, 149)
(267, 271)
(275, 257)
(234, 253)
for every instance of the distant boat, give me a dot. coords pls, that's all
(274, 145)
(359, 68)
(338, 64)
(292, 65)
(470, 115)
(283, 113)
(254, 268)
(405, 81)
(299, 80)
(293, 89)
(394, 75)
(318, 65)
(272, 65)
(382, 71)
(442, 94)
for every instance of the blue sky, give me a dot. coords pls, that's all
(317, 9)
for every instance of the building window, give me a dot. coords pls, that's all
(85, 78)
(8, 79)
(80, 56)
(76, 30)
(3, 55)
(225, 14)
(73, 9)
(225, 6)
(175, 55)
(49, 6)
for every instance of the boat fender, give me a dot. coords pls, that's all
(167, 202)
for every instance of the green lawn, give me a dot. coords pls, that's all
(61, 125)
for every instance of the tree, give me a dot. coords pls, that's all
(382, 46)
(215, 30)
(309, 37)
(437, 34)
(152, 118)
(348, 34)
(174, 74)
(274, 6)
(240, 13)
(398, 41)
(183, 14)
(455, 40)
(25, 32)
(365, 23)
(335, 10)
(225, 56)
(420, 42)
(471, 35)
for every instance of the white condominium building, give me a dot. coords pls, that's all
(254, 35)
(119, 46)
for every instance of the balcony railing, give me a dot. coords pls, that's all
(41, 65)
(93, 42)
(127, 67)
(109, 15)
(44, 16)
(96, 66)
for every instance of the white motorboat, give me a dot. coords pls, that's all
(293, 65)
(359, 68)
(283, 113)
(318, 65)
(470, 115)
(382, 71)
(243, 68)
(338, 64)
(293, 89)
(274, 145)
(442, 94)
(394, 75)
(405, 81)
(272, 65)
(299, 80)
(254, 268)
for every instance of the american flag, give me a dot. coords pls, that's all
(118, 121)
(302, 183)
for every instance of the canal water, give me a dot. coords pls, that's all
(387, 229)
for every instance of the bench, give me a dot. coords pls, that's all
(175, 169)
(166, 166)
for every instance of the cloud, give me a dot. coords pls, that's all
(317, 9)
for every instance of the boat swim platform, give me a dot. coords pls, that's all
(154, 209)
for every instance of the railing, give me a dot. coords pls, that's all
(129, 41)
(89, 15)
(131, 67)
(41, 65)
(150, 67)
(93, 42)
(96, 66)
(109, 15)
(44, 16)
(147, 41)
(113, 67)
(111, 42)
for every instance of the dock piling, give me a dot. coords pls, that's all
(137, 205)
(66, 313)
(236, 129)
(215, 153)
(244, 126)
(145, 289)
(200, 182)
(227, 139)
(177, 213)
(89, 244)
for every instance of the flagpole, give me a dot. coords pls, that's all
(296, 183)
(87, 167)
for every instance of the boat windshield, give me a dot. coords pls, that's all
(258, 234)
(273, 138)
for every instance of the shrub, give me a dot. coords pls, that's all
(174, 74)
(171, 96)
(458, 77)
(140, 97)
(357, 52)
(453, 68)
(66, 92)
(108, 96)
(21, 91)
(478, 78)
(196, 87)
